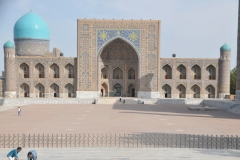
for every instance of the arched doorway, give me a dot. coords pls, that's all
(210, 91)
(196, 91)
(39, 90)
(54, 71)
(196, 72)
(24, 90)
(166, 91)
(211, 71)
(118, 64)
(181, 72)
(117, 89)
(104, 90)
(167, 70)
(69, 89)
(131, 90)
(54, 90)
(181, 91)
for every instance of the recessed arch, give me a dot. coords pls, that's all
(131, 73)
(117, 89)
(196, 91)
(24, 70)
(104, 73)
(54, 71)
(39, 90)
(167, 71)
(54, 90)
(69, 70)
(115, 38)
(196, 72)
(182, 71)
(181, 89)
(39, 70)
(211, 72)
(210, 89)
(104, 89)
(131, 90)
(69, 89)
(167, 90)
(24, 90)
(117, 73)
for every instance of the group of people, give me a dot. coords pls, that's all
(13, 154)
(120, 99)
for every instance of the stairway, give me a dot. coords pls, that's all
(115, 100)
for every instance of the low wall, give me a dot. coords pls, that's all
(171, 101)
(227, 105)
(28, 101)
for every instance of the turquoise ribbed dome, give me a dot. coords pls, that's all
(225, 47)
(9, 44)
(31, 26)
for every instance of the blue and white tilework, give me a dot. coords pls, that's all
(131, 36)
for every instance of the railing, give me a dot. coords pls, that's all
(120, 140)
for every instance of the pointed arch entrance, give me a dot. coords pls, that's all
(104, 90)
(119, 60)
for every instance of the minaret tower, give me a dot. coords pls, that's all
(10, 69)
(238, 58)
(224, 71)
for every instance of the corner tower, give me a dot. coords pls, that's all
(224, 71)
(10, 68)
(31, 35)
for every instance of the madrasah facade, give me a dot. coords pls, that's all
(114, 58)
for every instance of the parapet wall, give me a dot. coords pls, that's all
(28, 101)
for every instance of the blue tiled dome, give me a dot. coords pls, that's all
(9, 44)
(31, 26)
(225, 47)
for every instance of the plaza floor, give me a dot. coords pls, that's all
(118, 118)
(128, 154)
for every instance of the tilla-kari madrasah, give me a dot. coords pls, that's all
(114, 58)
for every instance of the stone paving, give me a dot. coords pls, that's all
(127, 154)
(118, 118)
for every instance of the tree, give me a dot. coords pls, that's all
(233, 74)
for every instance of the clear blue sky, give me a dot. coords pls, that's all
(189, 28)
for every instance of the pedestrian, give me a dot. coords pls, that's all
(32, 155)
(19, 111)
(13, 155)
(123, 99)
(120, 98)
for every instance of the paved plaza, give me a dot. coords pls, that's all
(117, 118)
(128, 154)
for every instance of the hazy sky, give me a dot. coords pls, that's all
(189, 28)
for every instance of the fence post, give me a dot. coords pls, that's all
(70, 140)
(75, 139)
(23, 141)
(18, 139)
(216, 142)
(52, 139)
(43, 140)
(34, 140)
(211, 141)
(13, 140)
(8, 140)
(236, 142)
(61, 141)
(198, 140)
(47, 140)
(66, 140)
(57, 140)
(38, 140)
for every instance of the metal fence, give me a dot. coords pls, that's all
(120, 140)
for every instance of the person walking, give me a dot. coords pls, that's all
(123, 99)
(32, 155)
(120, 98)
(13, 154)
(19, 111)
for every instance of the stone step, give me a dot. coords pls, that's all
(115, 100)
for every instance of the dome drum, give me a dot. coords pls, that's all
(31, 47)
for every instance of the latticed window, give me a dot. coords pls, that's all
(131, 74)
(117, 73)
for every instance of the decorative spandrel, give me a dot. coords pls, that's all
(131, 36)
(119, 50)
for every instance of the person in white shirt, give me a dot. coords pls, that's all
(19, 111)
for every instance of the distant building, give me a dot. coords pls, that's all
(115, 57)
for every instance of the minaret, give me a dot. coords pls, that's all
(238, 58)
(10, 69)
(224, 71)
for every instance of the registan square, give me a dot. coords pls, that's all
(117, 85)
